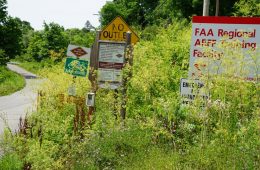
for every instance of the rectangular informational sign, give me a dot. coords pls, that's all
(191, 89)
(214, 39)
(110, 64)
(82, 53)
(76, 67)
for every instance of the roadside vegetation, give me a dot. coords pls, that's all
(10, 82)
(158, 132)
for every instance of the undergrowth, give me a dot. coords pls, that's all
(159, 132)
(10, 82)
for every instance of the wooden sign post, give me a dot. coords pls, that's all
(110, 54)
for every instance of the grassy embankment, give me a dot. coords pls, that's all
(158, 133)
(10, 82)
(34, 66)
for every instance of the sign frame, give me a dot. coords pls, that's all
(208, 32)
(110, 84)
(187, 94)
(80, 73)
(86, 56)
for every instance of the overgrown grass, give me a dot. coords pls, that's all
(159, 133)
(10, 162)
(10, 82)
(34, 66)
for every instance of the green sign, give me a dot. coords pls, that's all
(76, 67)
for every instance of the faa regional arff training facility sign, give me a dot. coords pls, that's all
(211, 35)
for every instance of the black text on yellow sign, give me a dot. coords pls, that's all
(116, 31)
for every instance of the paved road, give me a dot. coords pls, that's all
(16, 105)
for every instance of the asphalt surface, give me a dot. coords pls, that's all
(20, 103)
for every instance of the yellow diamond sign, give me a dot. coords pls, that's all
(116, 31)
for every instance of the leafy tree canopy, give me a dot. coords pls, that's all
(150, 12)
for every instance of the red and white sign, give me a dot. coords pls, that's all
(213, 38)
(75, 51)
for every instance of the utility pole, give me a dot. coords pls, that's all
(217, 8)
(206, 7)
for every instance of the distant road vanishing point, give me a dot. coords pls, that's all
(18, 104)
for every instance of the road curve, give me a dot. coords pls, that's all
(18, 104)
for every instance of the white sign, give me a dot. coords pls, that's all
(72, 90)
(211, 35)
(110, 64)
(82, 53)
(191, 89)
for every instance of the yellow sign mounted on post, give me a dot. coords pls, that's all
(116, 31)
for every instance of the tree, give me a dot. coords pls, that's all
(3, 12)
(55, 36)
(135, 12)
(37, 47)
(149, 12)
(247, 8)
(52, 39)
(80, 37)
(11, 35)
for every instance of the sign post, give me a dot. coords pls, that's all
(128, 62)
(77, 64)
(108, 58)
(93, 74)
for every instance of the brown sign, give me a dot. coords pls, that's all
(78, 51)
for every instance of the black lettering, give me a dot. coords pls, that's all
(114, 27)
(120, 27)
(110, 35)
(105, 34)
(185, 84)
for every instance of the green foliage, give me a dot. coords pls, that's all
(54, 35)
(80, 37)
(46, 44)
(12, 33)
(38, 47)
(3, 12)
(247, 8)
(35, 67)
(3, 57)
(144, 13)
(10, 162)
(10, 82)
(133, 11)
(159, 132)
(166, 56)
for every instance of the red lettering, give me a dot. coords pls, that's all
(210, 33)
(197, 42)
(205, 42)
(203, 32)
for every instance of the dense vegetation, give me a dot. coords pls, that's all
(158, 132)
(10, 82)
